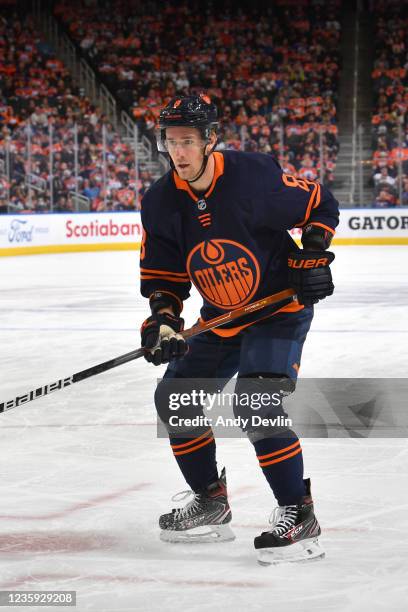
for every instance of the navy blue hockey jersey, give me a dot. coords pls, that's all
(232, 242)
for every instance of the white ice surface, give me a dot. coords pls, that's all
(83, 477)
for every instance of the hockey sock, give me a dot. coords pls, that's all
(281, 461)
(196, 459)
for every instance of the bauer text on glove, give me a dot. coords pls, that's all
(310, 275)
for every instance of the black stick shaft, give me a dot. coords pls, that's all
(108, 365)
(70, 380)
(279, 300)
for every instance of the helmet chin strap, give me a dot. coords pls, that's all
(202, 169)
(200, 173)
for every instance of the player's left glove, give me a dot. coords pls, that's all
(310, 275)
(161, 338)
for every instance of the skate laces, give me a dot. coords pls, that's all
(283, 518)
(189, 508)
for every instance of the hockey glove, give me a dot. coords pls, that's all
(310, 275)
(161, 338)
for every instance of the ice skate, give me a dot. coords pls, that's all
(293, 536)
(205, 518)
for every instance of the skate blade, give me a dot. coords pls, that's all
(203, 534)
(307, 550)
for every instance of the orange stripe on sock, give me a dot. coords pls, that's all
(193, 441)
(191, 450)
(279, 452)
(296, 452)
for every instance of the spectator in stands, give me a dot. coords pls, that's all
(39, 119)
(383, 177)
(386, 198)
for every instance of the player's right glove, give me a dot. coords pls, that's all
(161, 338)
(310, 275)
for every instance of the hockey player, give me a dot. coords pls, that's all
(221, 221)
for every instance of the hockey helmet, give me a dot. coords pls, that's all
(188, 111)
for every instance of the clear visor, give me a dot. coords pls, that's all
(170, 145)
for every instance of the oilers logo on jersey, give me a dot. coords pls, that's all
(225, 272)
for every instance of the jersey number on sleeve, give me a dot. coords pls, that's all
(292, 181)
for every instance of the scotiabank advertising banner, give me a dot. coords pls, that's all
(58, 233)
(47, 233)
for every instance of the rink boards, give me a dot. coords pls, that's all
(64, 232)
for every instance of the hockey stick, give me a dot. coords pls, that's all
(281, 299)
